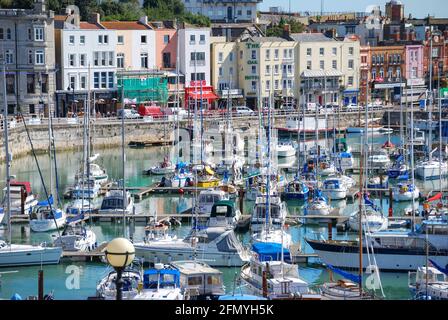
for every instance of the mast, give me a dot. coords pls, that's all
(412, 155)
(7, 155)
(177, 99)
(431, 98)
(123, 159)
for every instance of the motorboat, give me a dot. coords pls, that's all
(378, 160)
(224, 214)
(198, 280)
(160, 283)
(207, 198)
(431, 169)
(19, 255)
(296, 189)
(273, 236)
(327, 168)
(216, 245)
(405, 192)
(88, 189)
(334, 189)
(97, 173)
(206, 178)
(79, 206)
(277, 212)
(178, 180)
(163, 168)
(132, 276)
(18, 192)
(344, 160)
(76, 237)
(46, 218)
(343, 289)
(378, 182)
(318, 207)
(429, 281)
(395, 250)
(113, 203)
(267, 275)
(397, 170)
(372, 220)
(285, 150)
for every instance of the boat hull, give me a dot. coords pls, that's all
(45, 225)
(29, 257)
(431, 172)
(335, 194)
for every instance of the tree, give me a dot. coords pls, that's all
(276, 30)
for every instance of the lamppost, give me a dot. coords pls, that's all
(119, 253)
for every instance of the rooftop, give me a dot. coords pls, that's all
(124, 25)
(89, 26)
(310, 37)
(267, 39)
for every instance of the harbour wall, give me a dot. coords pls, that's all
(107, 133)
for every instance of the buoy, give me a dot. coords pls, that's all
(181, 190)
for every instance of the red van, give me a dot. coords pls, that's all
(150, 110)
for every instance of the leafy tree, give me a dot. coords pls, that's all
(276, 30)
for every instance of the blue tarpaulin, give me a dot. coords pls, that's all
(347, 275)
(441, 269)
(47, 202)
(270, 251)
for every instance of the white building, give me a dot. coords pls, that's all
(225, 10)
(194, 60)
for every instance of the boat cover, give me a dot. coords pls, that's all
(47, 202)
(347, 275)
(166, 277)
(270, 251)
(441, 269)
(229, 243)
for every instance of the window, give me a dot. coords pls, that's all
(414, 73)
(268, 85)
(120, 60)
(40, 57)
(220, 71)
(111, 58)
(231, 56)
(83, 82)
(30, 56)
(321, 51)
(10, 84)
(249, 13)
(111, 79)
(276, 85)
(254, 85)
(335, 64)
(120, 39)
(104, 80)
(334, 51)
(254, 69)
(100, 39)
(240, 12)
(142, 39)
(103, 58)
(284, 69)
(82, 60)
(285, 53)
(198, 56)
(198, 76)
(382, 73)
(308, 65)
(398, 74)
(38, 34)
(322, 64)
(253, 54)
(435, 52)
(241, 54)
(308, 52)
(106, 39)
(290, 53)
(8, 34)
(166, 38)
(82, 39)
(268, 54)
(276, 54)
(268, 69)
(350, 30)
(144, 60)
(96, 58)
(374, 73)
(289, 69)
(364, 59)
(9, 57)
(350, 64)
(2, 35)
(374, 59)
(71, 60)
(72, 80)
(220, 57)
(289, 84)
(30, 85)
(350, 50)
(96, 80)
(350, 81)
(71, 39)
(202, 39)
(276, 69)
(195, 281)
(30, 34)
(192, 38)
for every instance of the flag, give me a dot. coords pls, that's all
(436, 197)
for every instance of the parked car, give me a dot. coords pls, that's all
(128, 114)
(243, 111)
(150, 110)
(353, 107)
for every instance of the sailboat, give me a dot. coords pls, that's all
(12, 255)
(46, 218)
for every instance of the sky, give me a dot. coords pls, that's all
(418, 8)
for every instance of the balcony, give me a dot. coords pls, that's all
(197, 63)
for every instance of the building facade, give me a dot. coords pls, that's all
(27, 49)
(166, 45)
(225, 10)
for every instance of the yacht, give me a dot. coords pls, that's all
(113, 203)
(428, 281)
(394, 250)
(17, 191)
(405, 192)
(334, 189)
(378, 160)
(88, 189)
(318, 207)
(327, 168)
(431, 169)
(79, 206)
(371, 220)
(163, 168)
(277, 212)
(296, 189)
(207, 198)
(344, 160)
(343, 289)
(44, 218)
(19, 255)
(98, 174)
(160, 283)
(76, 237)
(285, 150)
(377, 182)
(216, 245)
(224, 214)
(198, 280)
(267, 275)
(398, 168)
(273, 236)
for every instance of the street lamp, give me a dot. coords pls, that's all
(119, 253)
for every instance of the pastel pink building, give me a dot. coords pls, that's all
(414, 63)
(166, 45)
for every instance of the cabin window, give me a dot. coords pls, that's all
(213, 280)
(195, 281)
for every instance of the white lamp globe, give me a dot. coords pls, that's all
(120, 252)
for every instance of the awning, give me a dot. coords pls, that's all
(321, 73)
(205, 95)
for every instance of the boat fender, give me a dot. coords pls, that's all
(181, 191)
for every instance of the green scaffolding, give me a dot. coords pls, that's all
(143, 88)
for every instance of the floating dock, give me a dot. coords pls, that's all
(94, 255)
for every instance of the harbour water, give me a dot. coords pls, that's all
(62, 278)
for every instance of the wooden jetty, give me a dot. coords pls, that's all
(149, 143)
(94, 255)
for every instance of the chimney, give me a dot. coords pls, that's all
(39, 6)
(143, 20)
(413, 35)
(94, 18)
(286, 31)
(397, 36)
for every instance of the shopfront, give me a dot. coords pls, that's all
(198, 91)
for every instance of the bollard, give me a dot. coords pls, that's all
(391, 210)
(330, 231)
(40, 285)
